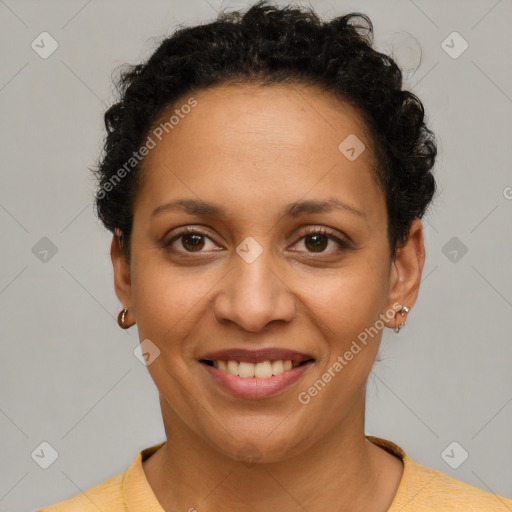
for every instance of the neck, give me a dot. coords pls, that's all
(344, 471)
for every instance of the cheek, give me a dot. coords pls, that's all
(351, 306)
(165, 301)
(348, 311)
(353, 297)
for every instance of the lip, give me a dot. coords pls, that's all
(254, 388)
(256, 356)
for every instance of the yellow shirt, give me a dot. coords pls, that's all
(421, 489)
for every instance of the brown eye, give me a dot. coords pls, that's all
(192, 240)
(317, 240)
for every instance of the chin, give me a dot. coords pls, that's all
(261, 446)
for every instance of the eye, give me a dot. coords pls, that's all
(192, 240)
(317, 239)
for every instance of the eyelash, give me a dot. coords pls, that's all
(342, 243)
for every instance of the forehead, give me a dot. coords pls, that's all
(279, 113)
(254, 139)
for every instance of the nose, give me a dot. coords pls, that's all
(254, 294)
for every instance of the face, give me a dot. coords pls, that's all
(289, 260)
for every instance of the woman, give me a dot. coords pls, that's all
(265, 177)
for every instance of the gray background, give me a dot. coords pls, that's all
(68, 374)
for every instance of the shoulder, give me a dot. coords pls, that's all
(115, 494)
(105, 496)
(424, 489)
(427, 489)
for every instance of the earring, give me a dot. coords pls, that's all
(402, 312)
(120, 319)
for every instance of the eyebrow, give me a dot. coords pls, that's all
(296, 209)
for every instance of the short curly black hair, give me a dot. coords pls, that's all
(268, 45)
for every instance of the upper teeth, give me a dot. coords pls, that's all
(262, 370)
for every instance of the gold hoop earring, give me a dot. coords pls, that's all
(120, 319)
(402, 312)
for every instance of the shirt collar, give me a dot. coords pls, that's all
(137, 493)
(139, 496)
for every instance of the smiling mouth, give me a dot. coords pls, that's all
(261, 370)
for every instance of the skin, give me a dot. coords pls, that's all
(254, 150)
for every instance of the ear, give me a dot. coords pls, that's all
(406, 272)
(122, 281)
